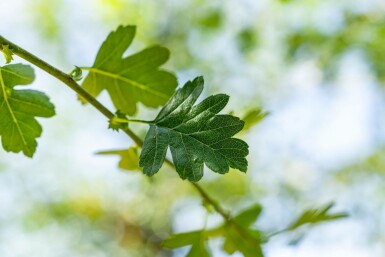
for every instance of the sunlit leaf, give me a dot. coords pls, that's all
(247, 217)
(132, 79)
(18, 109)
(129, 158)
(194, 238)
(247, 39)
(253, 117)
(237, 240)
(182, 239)
(313, 216)
(196, 135)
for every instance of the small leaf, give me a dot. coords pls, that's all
(116, 124)
(18, 109)
(239, 241)
(132, 79)
(129, 157)
(195, 238)
(182, 239)
(196, 135)
(253, 117)
(199, 249)
(313, 216)
(76, 74)
(247, 217)
(8, 54)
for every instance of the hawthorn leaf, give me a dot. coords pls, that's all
(248, 241)
(253, 117)
(18, 109)
(196, 239)
(196, 135)
(247, 217)
(129, 158)
(199, 249)
(313, 216)
(236, 241)
(181, 239)
(132, 79)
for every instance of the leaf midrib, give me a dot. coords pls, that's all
(5, 96)
(190, 135)
(127, 80)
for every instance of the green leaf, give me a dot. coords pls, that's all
(7, 53)
(116, 124)
(18, 109)
(247, 217)
(196, 135)
(313, 216)
(244, 239)
(239, 241)
(199, 249)
(253, 117)
(182, 239)
(129, 158)
(132, 79)
(195, 238)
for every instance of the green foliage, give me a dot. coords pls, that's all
(253, 117)
(7, 54)
(18, 109)
(195, 238)
(195, 134)
(212, 19)
(362, 32)
(237, 232)
(132, 79)
(240, 234)
(129, 158)
(116, 124)
(247, 39)
(247, 217)
(313, 216)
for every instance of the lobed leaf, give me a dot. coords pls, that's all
(129, 158)
(253, 117)
(132, 79)
(196, 239)
(196, 135)
(247, 217)
(182, 239)
(236, 240)
(313, 216)
(18, 109)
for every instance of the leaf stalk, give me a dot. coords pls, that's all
(72, 84)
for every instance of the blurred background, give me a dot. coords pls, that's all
(317, 67)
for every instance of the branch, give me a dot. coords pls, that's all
(72, 84)
(67, 80)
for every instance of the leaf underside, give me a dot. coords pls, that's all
(196, 135)
(132, 79)
(18, 109)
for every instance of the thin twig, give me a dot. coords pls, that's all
(71, 83)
